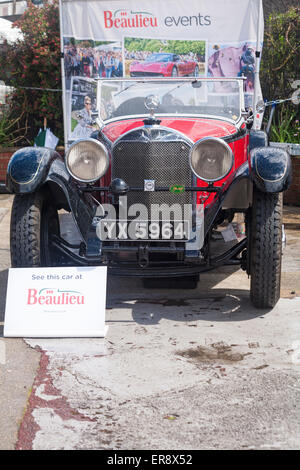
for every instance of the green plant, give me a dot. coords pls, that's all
(286, 127)
(11, 132)
(34, 62)
(280, 68)
(281, 54)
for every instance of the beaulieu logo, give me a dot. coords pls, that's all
(124, 19)
(129, 19)
(50, 297)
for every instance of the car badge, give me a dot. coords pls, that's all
(177, 189)
(149, 185)
(152, 102)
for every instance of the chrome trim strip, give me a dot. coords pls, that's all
(156, 126)
(171, 79)
(174, 116)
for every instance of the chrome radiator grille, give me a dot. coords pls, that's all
(153, 155)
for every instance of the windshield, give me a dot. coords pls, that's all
(159, 58)
(170, 97)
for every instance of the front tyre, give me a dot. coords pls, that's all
(34, 220)
(265, 249)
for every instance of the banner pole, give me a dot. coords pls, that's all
(257, 65)
(63, 75)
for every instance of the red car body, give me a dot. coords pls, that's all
(164, 65)
(194, 129)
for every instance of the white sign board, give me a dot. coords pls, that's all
(56, 302)
(123, 38)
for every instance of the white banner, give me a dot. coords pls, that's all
(121, 38)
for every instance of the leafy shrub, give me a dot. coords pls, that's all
(285, 127)
(11, 131)
(35, 63)
(280, 69)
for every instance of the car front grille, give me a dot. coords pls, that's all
(146, 74)
(162, 156)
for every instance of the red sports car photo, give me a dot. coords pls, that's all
(164, 65)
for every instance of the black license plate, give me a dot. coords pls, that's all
(175, 230)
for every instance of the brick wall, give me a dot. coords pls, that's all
(292, 195)
(5, 154)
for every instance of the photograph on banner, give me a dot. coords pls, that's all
(83, 102)
(233, 60)
(164, 57)
(92, 59)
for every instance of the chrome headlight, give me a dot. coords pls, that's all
(87, 160)
(211, 159)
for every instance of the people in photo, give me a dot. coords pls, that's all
(84, 128)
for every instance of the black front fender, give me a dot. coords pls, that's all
(271, 169)
(28, 169)
(32, 168)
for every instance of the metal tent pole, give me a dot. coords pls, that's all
(257, 62)
(63, 76)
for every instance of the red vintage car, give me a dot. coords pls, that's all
(164, 65)
(174, 183)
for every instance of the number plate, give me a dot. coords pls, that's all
(175, 230)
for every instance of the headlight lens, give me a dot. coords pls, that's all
(87, 160)
(211, 159)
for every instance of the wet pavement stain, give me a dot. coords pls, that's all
(214, 353)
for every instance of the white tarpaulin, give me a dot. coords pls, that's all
(8, 33)
(103, 38)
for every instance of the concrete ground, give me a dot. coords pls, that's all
(178, 369)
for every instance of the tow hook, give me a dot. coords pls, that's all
(143, 256)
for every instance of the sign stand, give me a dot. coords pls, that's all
(56, 302)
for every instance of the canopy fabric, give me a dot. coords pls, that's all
(8, 32)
